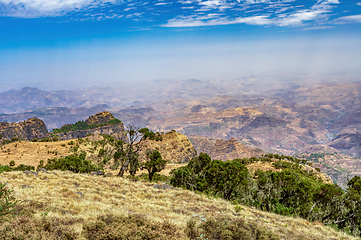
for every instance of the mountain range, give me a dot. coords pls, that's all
(281, 117)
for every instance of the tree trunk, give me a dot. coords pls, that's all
(150, 175)
(122, 169)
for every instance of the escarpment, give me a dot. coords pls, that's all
(100, 123)
(224, 150)
(27, 130)
(174, 147)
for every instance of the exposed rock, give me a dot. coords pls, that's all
(115, 130)
(29, 173)
(98, 173)
(164, 186)
(224, 150)
(99, 118)
(27, 130)
(348, 143)
(80, 194)
(43, 170)
(174, 147)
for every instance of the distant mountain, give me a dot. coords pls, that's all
(27, 98)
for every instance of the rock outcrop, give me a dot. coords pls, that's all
(99, 118)
(174, 148)
(224, 150)
(102, 119)
(27, 130)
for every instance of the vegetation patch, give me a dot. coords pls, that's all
(293, 191)
(81, 125)
(75, 163)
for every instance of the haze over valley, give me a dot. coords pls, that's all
(180, 119)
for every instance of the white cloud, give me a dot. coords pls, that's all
(198, 22)
(351, 18)
(35, 8)
(359, 3)
(298, 17)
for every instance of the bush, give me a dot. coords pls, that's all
(154, 163)
(12, 163)
(156, 177)
(26, 227)
(291, 191)
(150, 134)
(5, 168)
(46, 140)
(131, 227)
(81, 125)
(75, 163)
(23, 167)
(7, 201)
(227, 229)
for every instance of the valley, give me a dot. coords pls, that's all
(287, 119)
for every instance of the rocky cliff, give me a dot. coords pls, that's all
(103, 120)
(224, 150)
(174, 148)
(27, 130)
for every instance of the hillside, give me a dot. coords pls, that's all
(27, 130)
(100, 123)
(174, 147)
(88, 207)
(224, 150)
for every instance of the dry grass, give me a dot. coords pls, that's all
(83, 198)
(30, 153)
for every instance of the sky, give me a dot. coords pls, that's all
(66, 44)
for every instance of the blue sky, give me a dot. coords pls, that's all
(55, 44)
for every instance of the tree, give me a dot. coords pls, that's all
(130, 151)
(155, 163)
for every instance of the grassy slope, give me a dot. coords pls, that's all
(56, 194)
(30, 153)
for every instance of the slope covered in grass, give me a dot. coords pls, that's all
(66, 205)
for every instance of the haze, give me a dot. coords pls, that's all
(74, 44)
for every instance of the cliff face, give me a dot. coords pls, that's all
(115, 130)
(174, 148)
(224, 150)
(27, 130)
(99, 118)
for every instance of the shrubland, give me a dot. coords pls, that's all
(210, 199)
(66, 205)
(293, 191)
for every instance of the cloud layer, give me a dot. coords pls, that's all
(191, 13)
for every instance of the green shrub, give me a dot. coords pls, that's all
(12, 163)
(5, 168)
(81, 125)
(154, 163)
(292, 191)
(46, 140)
(7, 201)
(23, 167)
(75, 163)
(156, 177)
(150, 134)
